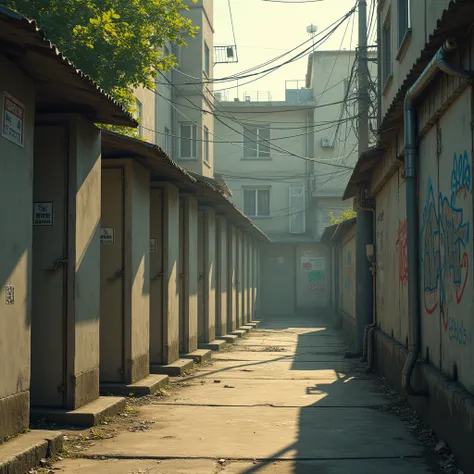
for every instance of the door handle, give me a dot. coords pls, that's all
(58, 263)
(158, 276)
(117, 275)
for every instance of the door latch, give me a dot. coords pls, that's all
(158, 276)
(58, 263)
(117, 275)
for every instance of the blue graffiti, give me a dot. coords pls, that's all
(445, 237)
(461, 175)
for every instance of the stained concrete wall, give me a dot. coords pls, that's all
(231, 278)
(84, 243)
(137, 254)
(222, 286)
(16, 189)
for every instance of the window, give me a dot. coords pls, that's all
(257, 202)
(167, 140)
(386, 51)
(139, 116)
(256, 142)
(187, 141)
(404, 19)
(206, 144)
(207, 60)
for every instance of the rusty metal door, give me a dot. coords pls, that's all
(156, 277)
(50, 260)
(112, 276)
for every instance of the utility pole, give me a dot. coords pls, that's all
(365, 215)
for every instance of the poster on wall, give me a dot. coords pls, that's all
(309, 264)
(107, 235)
(43, 214)
(13, 119)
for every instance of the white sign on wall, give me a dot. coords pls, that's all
(107, 235)
(43, 214)
(312, 263)
(13, 119)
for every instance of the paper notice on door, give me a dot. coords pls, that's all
(152, 245)
(43, 214)
(312, 263)
(13, 118)
(107, 235)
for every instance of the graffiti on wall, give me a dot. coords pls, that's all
(401, 244)
(315, 268)
(445, 235)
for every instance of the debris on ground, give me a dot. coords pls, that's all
(423, 433)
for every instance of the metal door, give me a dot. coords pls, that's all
(112, 277)
(201, 277)
(49, 279)
(156, 276)
(182, 282)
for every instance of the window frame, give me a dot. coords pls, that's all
(257, 190)
(258, 145)
(403, 21)
(206, 144)
(167, 140)
(207, 60)
(193, 140)
(387, 66)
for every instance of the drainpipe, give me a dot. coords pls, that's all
(438, 63)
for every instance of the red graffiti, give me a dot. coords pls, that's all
(401, 244)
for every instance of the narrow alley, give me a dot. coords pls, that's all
(282, 400)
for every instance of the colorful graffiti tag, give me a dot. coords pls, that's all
(401, 244)
(444, 252)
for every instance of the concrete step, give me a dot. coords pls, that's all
(229, 338)
(246, 328)
(215, 346)
(239, 333)
(198, 356)
(254, 324)
(175, 369)
(25, 452)
(88, 415)
(147, 386)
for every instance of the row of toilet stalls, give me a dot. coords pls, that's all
(79, 268)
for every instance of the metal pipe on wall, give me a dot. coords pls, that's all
(438, 63)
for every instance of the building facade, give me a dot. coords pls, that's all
(417, 182)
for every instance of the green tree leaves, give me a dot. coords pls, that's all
(343, 216)
(117, 42)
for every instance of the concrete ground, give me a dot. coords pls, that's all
(283, 401)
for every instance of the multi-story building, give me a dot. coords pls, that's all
(177, 114)
(418, 182)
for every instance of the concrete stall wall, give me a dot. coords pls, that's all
(16, 189)
(84, 310)
(312, 278)
(295, 278)
(346, 300)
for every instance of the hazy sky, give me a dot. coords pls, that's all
(264, 30)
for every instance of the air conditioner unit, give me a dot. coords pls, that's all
(327, 142)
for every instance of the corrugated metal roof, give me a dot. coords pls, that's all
(60, 86)
(332, 232)
(454, 21)
(163, 168)
(362, 169)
